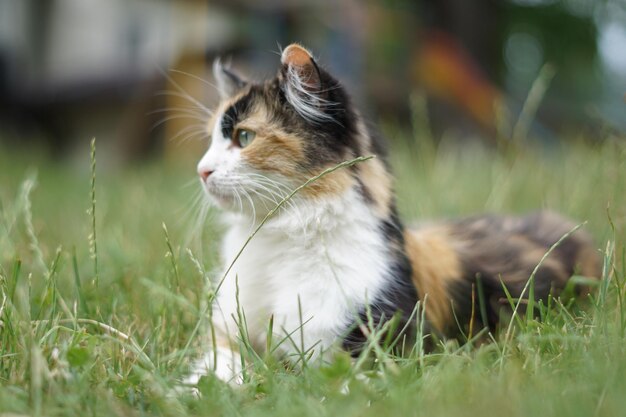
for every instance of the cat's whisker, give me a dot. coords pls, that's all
(190, 116)
(274, 189)
(247, 195)
(176, 116)
(281, 190)
(265, 197)
(195, 104)
(198, 211)
(276, 198)
(266, 178)
(194, 134)
(185, 94)
(271, 195)
(247, 185)
(191, 110)
(195, 77)
(200, 221)
(189, 132)
(191, 113)
(194, 202)
(235, 192)
(192, 183)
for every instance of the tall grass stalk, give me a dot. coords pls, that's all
(533, 100)
(93, 241)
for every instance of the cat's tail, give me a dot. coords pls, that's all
(493, 256)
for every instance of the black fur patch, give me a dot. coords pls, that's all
(328, 142)
(397, 299)
(235, 113)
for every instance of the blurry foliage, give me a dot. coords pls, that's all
(497, 49)
(568, 42)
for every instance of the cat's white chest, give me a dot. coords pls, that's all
(312, 273)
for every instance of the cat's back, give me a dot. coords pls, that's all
(451, 260)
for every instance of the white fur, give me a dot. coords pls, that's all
(235, 186)
(331, 265)
(224, 162)
(226, 85)
(222, 159)
(224, 362)
(311, 267)
(308, 104)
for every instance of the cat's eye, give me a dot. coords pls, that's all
(244, 137)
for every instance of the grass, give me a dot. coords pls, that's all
(89, 332)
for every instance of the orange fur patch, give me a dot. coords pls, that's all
(271, 150)
(277, 151)
(378, 182)
(331, 184)
(588, 263)
(294, 54)
(435, 265)
(273, 153)
(374, 176)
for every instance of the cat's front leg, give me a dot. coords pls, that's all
(223, 360)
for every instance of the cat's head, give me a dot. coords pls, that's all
(269, 137)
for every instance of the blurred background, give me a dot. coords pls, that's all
(132, 73)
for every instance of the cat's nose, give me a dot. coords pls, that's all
(204, 174)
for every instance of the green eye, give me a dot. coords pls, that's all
(244, 137)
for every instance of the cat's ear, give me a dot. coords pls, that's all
(302, 83)
(228, 81)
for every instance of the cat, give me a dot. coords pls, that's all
(336, 254)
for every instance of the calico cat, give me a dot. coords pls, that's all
(337, 252)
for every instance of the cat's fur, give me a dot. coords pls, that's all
(337, 249)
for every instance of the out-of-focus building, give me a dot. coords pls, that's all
(74, 69)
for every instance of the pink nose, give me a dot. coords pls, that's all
(204, 174)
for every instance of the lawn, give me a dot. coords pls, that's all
(107, 323)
